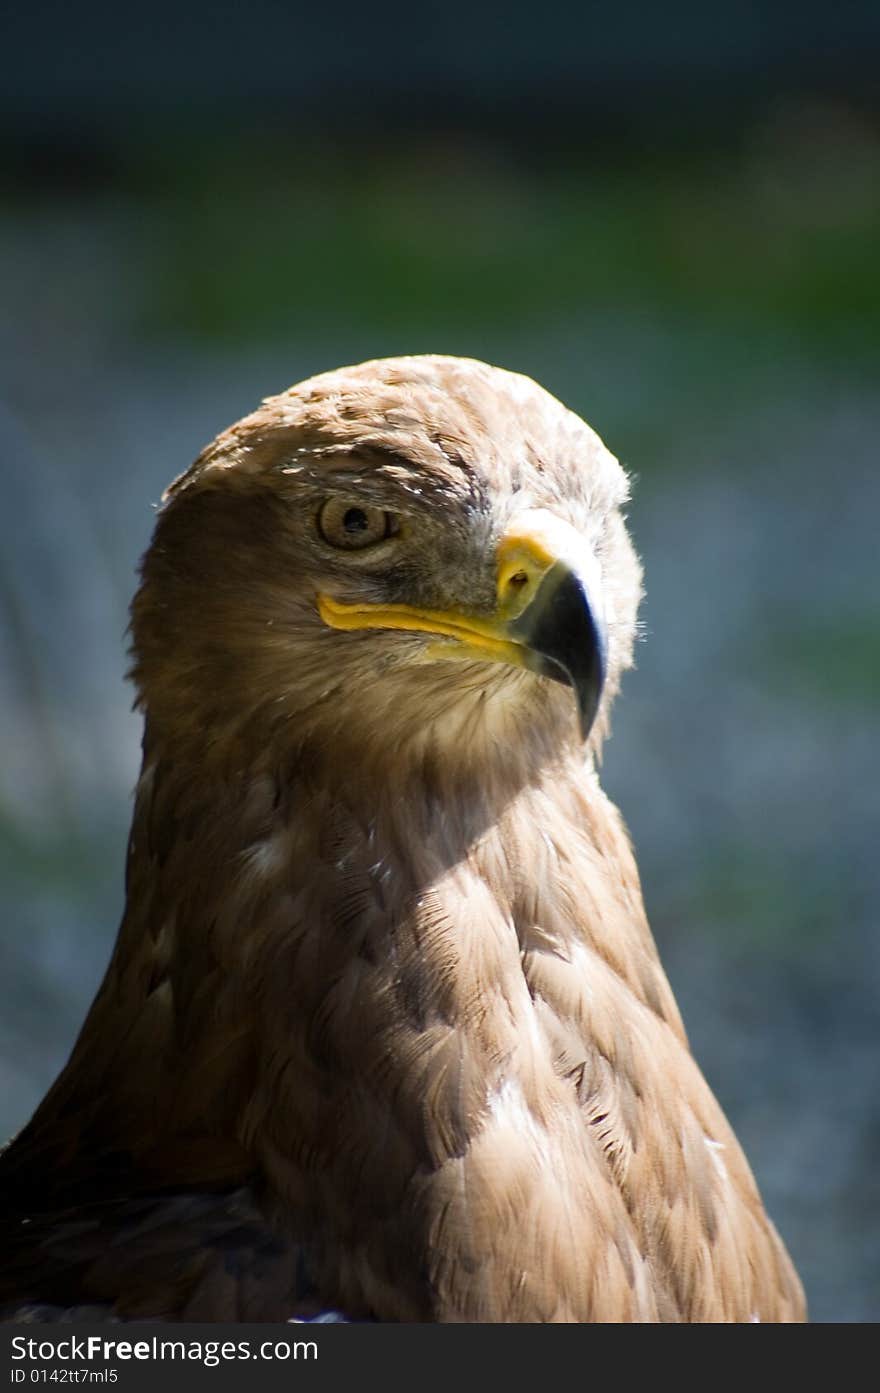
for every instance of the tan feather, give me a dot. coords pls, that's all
(385, 1031)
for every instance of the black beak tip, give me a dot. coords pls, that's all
(589, 682)
(563, 629)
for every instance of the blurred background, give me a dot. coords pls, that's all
(668, 215)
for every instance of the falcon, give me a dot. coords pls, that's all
(385, 1033)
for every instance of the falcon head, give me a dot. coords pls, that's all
(423, 546)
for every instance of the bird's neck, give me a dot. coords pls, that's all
(327, 989)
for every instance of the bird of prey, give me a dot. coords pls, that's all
(385, 1032)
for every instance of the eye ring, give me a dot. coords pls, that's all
(348, 525)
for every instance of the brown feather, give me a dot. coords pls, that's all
(384, 1031)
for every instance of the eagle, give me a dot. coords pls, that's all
(385, 1035)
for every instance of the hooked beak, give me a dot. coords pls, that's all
(547, 618)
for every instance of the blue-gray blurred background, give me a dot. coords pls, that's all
(670, 216)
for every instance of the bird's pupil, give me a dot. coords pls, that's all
(355, 520)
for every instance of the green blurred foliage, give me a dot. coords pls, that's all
(836, 661)
(773, 238)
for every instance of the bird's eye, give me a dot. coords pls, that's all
(353, 526)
